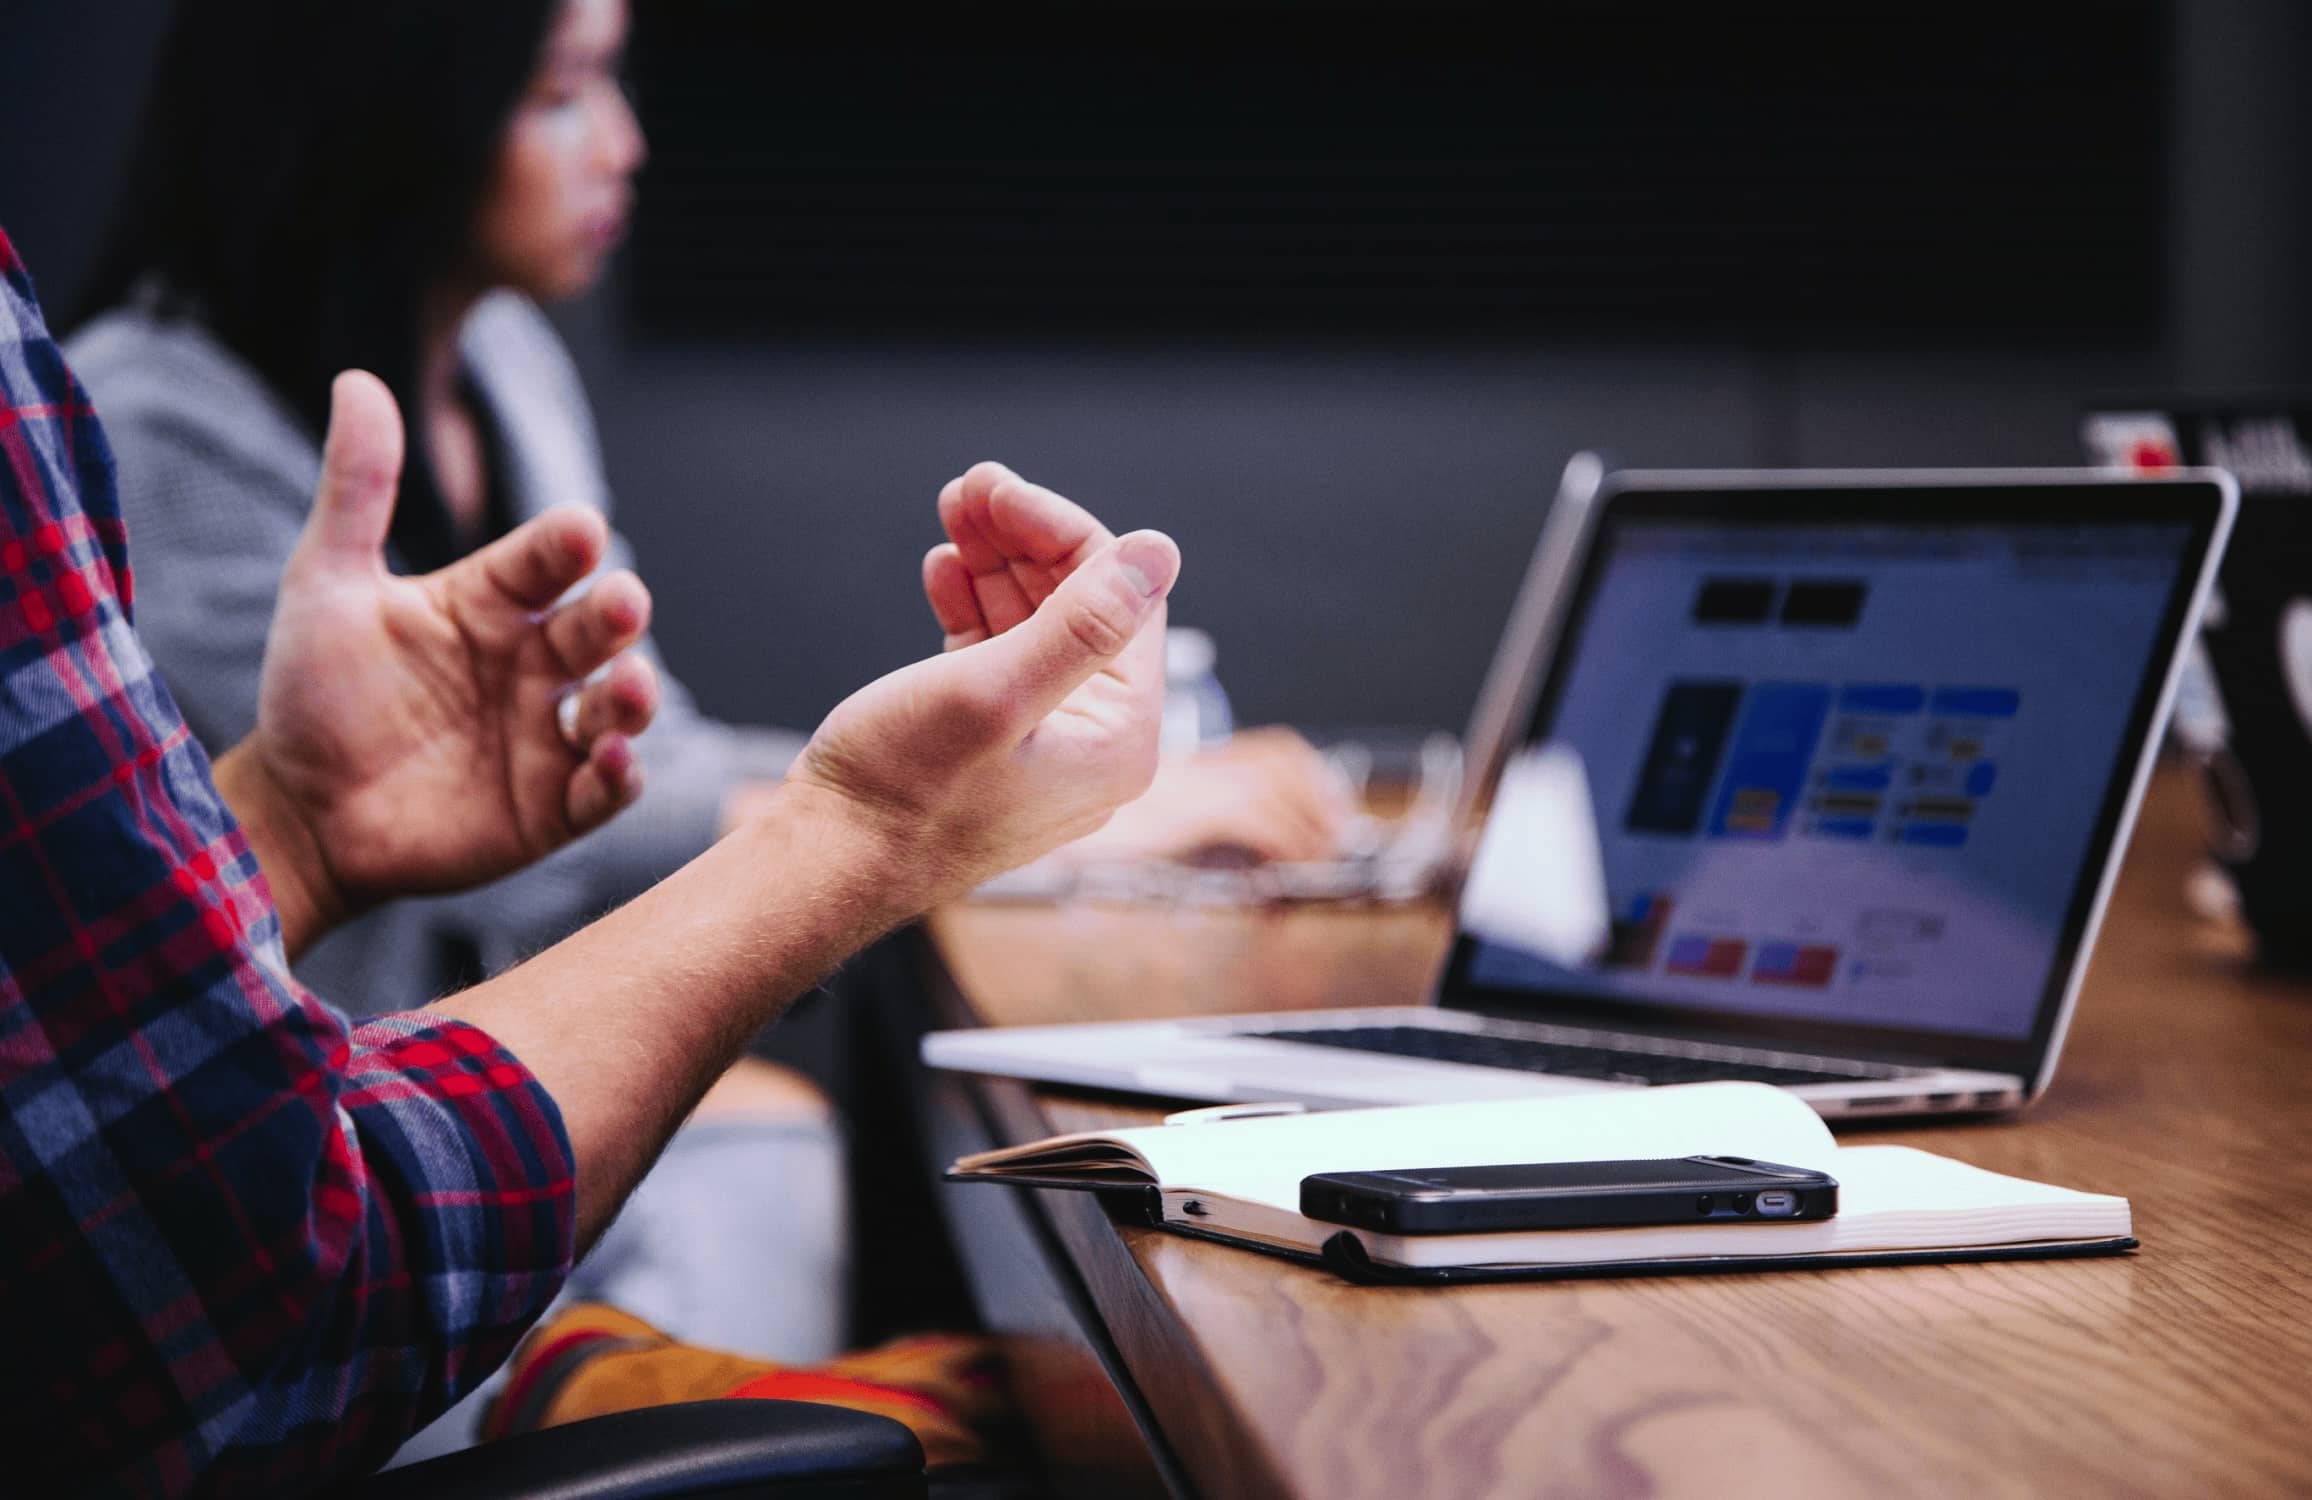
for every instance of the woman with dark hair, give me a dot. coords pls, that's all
(391, 187)
(395, 186)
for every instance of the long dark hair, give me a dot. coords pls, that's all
(306, 172)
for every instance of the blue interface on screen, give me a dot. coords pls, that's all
(1850, 774)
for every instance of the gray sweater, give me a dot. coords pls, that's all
(216, 477)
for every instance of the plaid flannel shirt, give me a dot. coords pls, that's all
(245, 1246)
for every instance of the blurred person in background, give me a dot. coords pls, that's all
(396, 187)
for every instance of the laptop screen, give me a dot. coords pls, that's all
(1848, 774)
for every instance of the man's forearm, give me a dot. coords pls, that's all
(627, 1022)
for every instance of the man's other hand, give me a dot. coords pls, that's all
(1038, 721)
(1029, 732)
(411, 732)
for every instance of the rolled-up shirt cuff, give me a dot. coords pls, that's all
(471, 1154)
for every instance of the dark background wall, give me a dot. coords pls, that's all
(1355, 493)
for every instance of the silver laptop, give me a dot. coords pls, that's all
(1863, 751)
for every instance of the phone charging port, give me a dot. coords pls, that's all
(1777, 1204)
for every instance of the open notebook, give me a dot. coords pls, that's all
(1239, 1180)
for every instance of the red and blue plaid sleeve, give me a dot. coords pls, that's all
(245, 1247)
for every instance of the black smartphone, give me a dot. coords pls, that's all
(1570, 1195)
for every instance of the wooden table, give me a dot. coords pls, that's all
(2183, 1370)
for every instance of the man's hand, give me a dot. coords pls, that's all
(411, 734)
(1040, 719)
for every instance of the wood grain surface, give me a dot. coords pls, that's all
(2183, 1370)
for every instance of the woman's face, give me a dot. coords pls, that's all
(558, 201)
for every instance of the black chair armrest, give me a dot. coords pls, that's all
(790, 1450)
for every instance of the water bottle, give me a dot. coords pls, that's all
(1196, 710)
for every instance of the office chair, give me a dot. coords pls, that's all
(700, 1450)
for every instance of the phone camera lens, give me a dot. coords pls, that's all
(1741, 1203)
(1704, 1204)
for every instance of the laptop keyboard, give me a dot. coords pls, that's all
(1569, 1059)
